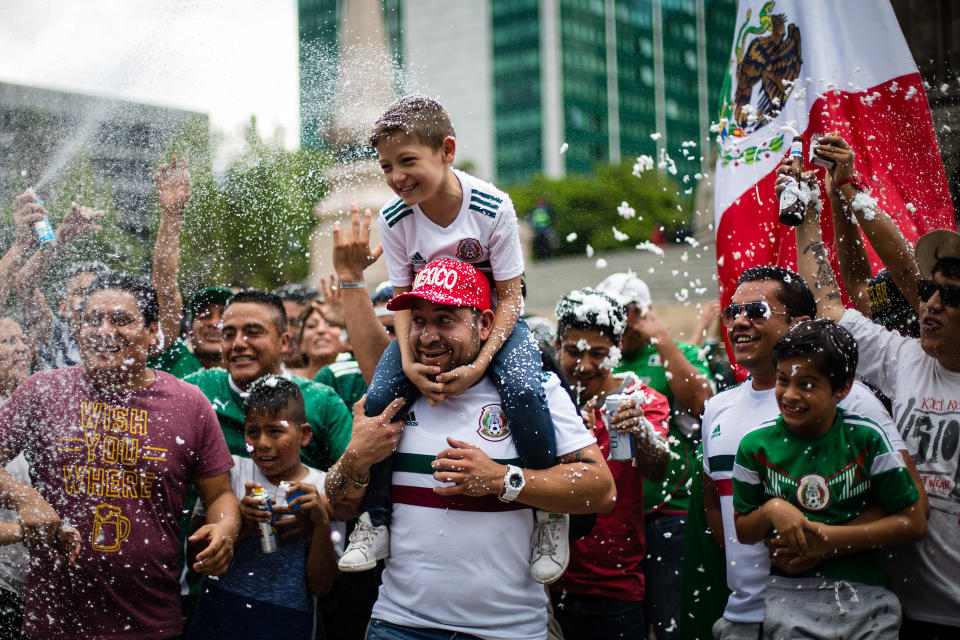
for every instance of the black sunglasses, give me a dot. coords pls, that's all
(949, 294)
(753, 310)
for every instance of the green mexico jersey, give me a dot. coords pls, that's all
(344, 377)
(830, 478)
(331, 421)
(672, 495)
(177, 360)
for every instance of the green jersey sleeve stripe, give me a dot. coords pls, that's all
(887, 462)
(476, 192)
(721, 463)
(393, 207)
(419, 463)
(867, 423)
(397, 214)
(486, 212)
(742, 474)
(400, 217)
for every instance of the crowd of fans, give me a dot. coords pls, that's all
(439, 465)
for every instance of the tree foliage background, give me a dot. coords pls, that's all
(587, 205)
(252, 224)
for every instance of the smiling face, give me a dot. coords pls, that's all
(940, 326)
(14, 356)
(114, 339)
(806, 400)
(415, 171)
(585, 357)
(274, 441)
(321, 342)
(752, 340)
(445, 336)
(252, 343)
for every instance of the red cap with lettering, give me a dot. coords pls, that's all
(447, 281)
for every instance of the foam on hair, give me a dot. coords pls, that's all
(591, 310)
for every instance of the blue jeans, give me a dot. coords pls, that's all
(665, 534)
(380, 630)
(598, 617)
(516, 373)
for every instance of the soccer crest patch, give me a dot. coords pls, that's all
(813, 492)
(469, 249)
(493, 423)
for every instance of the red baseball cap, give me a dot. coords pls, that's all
(447, 281)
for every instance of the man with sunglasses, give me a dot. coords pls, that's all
(767, 302)
(921, 376)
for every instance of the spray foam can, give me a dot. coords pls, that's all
(266, 532)
(42, 229)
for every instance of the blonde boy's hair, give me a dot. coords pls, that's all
(417, 116)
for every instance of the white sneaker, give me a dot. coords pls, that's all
(550, 548)
(367, 545)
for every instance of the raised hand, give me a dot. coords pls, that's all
(78, 222)
(173, 186)
(835, 148)
(351, 247)
(26, 211)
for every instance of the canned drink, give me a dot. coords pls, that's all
(266, 532)
(285, 488)
(621, 444)
(819, 160)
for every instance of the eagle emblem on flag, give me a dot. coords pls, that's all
(768, 61)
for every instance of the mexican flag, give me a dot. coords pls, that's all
(822, 67)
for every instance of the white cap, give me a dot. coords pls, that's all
(628, 289)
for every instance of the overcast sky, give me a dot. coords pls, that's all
(228, 58)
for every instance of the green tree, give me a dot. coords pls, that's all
(588, 206)
(254, 224)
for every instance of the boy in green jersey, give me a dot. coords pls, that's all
(807, 476)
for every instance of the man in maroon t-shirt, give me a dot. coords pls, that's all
(112, 446)
(601, 594)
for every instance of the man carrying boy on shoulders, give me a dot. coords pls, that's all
(443, 213)
(460, 515)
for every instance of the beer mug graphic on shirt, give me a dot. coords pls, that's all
(110, 528)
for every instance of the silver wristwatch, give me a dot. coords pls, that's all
(513, 483)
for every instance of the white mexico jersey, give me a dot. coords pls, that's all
(485, 234)
(460, 563)
(727, 417)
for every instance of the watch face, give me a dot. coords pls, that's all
(516, 480)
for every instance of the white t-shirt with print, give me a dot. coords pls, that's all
(484, 233)
(926, 408)
(727, 417)
(463, 564)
